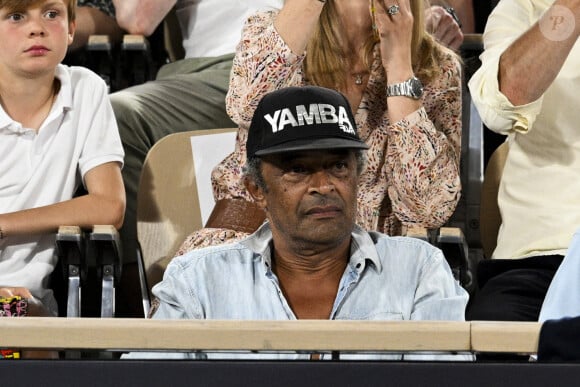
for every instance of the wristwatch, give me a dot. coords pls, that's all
(412, 87)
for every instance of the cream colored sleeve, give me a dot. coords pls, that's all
(506, 23)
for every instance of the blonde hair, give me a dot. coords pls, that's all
(326, 64)
(20, 5)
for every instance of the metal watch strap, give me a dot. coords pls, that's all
(398, 89)
(411, 88)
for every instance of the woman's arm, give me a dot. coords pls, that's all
(395, 33)
(270, 55)
(303, 13)
(424, 153)
(263, 62)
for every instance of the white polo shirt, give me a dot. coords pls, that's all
(79, 134)
(214, 27)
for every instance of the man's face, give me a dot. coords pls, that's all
(310, 197)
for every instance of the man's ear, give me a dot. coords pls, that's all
(256, 192)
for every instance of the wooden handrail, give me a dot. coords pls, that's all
(504, 336)
(137, 334)
(313, 335)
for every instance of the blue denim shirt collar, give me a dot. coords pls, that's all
(362, 252)
(362, 248)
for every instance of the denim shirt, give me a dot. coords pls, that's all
(387, 278)
(562, 297)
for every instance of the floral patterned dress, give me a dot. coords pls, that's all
(412, 171)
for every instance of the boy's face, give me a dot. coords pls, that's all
(34, 39)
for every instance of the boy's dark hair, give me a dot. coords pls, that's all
(18, 5)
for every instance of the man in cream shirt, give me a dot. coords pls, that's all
(527, 88)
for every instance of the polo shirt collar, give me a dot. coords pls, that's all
(62, 102)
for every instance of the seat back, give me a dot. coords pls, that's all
(173, 37)
(460, 238)
(490, 217)
(168, 205)
(466, 215)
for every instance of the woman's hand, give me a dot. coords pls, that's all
(394, 23)
(443, 27)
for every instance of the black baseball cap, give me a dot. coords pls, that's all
(302, 118)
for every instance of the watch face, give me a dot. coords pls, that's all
(416, 87)
(412, 87)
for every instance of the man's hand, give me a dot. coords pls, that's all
(443, 26)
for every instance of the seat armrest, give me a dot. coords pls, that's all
(99, 43)
(417, 232)
(106, 242)
(70, 250)
(135, 43)
(106, 247)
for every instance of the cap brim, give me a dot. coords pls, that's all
(313, 144)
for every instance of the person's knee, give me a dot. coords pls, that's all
(133, 128)
(124, 104)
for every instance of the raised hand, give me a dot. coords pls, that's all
(393, 21)
(443, 27)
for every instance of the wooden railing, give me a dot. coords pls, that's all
(139, 334)
(313, 335)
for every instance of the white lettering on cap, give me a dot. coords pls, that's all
(316, 114)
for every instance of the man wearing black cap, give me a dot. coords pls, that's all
(309, 260)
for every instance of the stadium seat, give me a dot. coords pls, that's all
(490, 217)
(134, 60)
(87, 272)
(460, 238)
(175, 196)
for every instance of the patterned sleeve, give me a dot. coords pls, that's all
(105, 6)
(424, 153)
(263, 63)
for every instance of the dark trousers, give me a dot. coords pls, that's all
(512, 289)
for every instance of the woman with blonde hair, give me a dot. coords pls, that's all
(404, 88)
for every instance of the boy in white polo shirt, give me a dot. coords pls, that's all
(57, 130)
